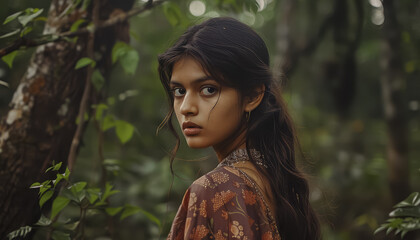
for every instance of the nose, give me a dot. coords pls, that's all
(189, 105)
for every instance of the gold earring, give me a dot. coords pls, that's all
(248, 116)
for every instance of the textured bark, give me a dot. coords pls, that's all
(395, 106)
(40, 124)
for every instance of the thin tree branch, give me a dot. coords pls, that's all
(24, 42)
(86, 93)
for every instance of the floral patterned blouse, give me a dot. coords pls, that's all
(223, 204)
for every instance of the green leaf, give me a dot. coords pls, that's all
(129, 210)
(100, 108)
(44, 188)
(129, 61)
(46, 182)
(41, 19)
(59, 235)
(108, 122)
(35, 185)
(45, 197)
(57, 166)
(58, 179)
(112, 211)
(151, 217)
(12, 17)
(20, 233)
(43, 221)
(77, 190)
(25, 31)
(67, 193)
(71, 226)
(173, 14)
(118, 50)
(395, 222)
(406, 212)
(108, 192)
(85, 4)
(79, 186)
(124, 130)
(128, 56)
(28, 18)
(97, 80)
(389, 230)
(54, 167)
(9, 58)
(251, 5)
(85, 116)
(75, 26)
(4, 83)
(67, 174)
(83, 62)
(403, 233)
(50, 168)
(58, 205)
(100, 203)
(412, 200)
(93, 194)
(10, 33)
(80, 196)
(134, 35)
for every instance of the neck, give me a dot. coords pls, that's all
(225, 148)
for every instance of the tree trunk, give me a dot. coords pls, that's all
(284, 42)
(394, 104)
(40, 126)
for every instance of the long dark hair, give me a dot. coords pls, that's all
(236, 56)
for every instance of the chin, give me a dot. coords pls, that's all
(197, 143)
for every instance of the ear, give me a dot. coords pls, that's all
(252, 102)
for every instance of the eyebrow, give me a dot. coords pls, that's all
(195, 81)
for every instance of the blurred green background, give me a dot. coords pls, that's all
(329, 57)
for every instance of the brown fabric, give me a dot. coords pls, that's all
(222, 205)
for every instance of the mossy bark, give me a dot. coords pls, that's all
(41, 122)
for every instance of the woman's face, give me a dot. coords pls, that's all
(208, 114)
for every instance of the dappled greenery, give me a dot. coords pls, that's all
(340, 123)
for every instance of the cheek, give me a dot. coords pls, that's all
(229, 120)
(226, 118)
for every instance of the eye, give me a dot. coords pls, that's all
(178, 92)
(208, 91)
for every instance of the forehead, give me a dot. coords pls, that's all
(187, 69)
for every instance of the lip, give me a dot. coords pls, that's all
(190, 128)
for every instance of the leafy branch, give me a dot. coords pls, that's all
(121, 17)
(78, 194)
(405, 218)
(86, 92)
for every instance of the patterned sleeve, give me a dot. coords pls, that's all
(221, 205)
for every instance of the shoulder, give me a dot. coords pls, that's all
(222, 188)
(221, 178)
(221, 204)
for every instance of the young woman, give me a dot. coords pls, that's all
(223, 94)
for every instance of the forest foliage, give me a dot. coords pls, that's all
(330, 55)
